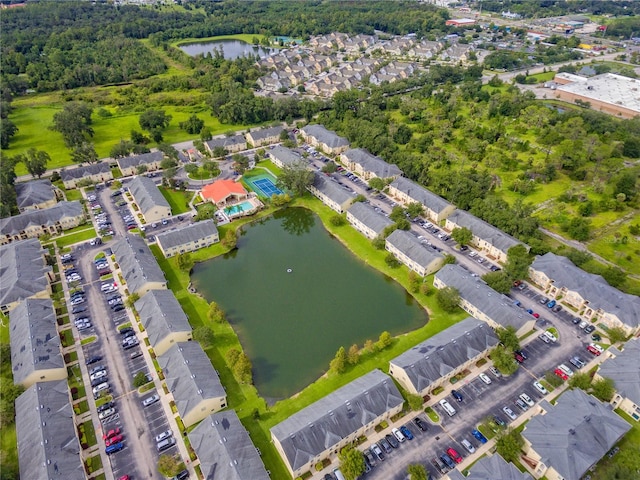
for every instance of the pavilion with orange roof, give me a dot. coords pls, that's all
(224, 192)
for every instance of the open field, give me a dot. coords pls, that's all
(178, 200)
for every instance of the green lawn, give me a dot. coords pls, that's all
(178, 200)
(74, 194)
(244, 398)
(626, 457)
(78, 236)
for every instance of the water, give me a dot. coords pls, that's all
(241, 207)
(231, 49)
(292, 323)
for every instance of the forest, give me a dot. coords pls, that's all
(550, 8)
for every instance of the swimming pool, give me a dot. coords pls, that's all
(241, 207)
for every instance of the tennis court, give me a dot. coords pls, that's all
(264, 186)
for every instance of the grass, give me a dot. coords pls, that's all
(89, 340)
(245, 398)
(178, 200)
(626, 457)
(77, 237)
(74, 194)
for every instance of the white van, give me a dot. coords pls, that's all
(446, 406)
(550, 336)
(338, 474)
(398, 434)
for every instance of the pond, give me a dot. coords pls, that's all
(294, 294)
(231, 49)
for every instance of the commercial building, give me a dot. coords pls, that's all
(264, 136)
(152, 204)
(35, 344)
(588, 294)
(435, 361)
(482, 302)
(138, 266)
(486, 237)
(24, 273)
(93, 173)
(35, 195)
(163, 319)
(319, 137)
(148, 161)
(48, 445)
(192, 381)
(405, 192)
(568, 438)
(368, 166)
(623, 367)
(35, 223)
(417, 257)
(366, 220)
(225, 449)
(320, 430)
(189, 238)
(330, 193)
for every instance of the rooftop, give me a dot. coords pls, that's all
(331, 189)
(147, 194)
(84, 171)
(35, 344)
(34, 193)
(591, 287)
(225, 450)
(47, 442)
(137, 263)
(575, 433)
(226, 141)
(189, 233)
(266, 132)
(420, 194)
(286, 155)
(485, 299)
(446, 351)
(608, 88)
(624, 370)
(492, 467)
(142, 159)
(369, 217)
(326, 422)
(47, 216)
(371, 163)
(161, 315)
(219, 190)
(23, 270)
(481, 229)
(322, 135)
(412, 248)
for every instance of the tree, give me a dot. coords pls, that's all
(121, 149)
(448, 298)
(185, 262)
(377, 184)
(240, 163)
(212, 168)
(215, 313)
(154, 120)
(499, 281)
(614, 276)
(509, 444)
(140, 379)
(192, 125)
(353, 356)
(169, 465)
(205, 134)
(402, 134)
(169, 152)
(295, 178)
(139, 138)
(7, 130)
(351, 462)
(384, 340)
(449, 259)
(603, 389)
(204, 336)
(503, 360)
(391, 260)
(218, 152)
(616, 334)
(378, 243)
(191, 168)
(230, 239)
(580, 380)
(168, 163)
(339, 362)
(397, 214)
(74, 123)
(85, 153)
(462, 236)
(338, 220)
(415, 401)
(242, 369)
(284, 136)
(329, 167)
(415, 209)
(518, 262)
(132, 299)
(416, 471)
(508, 336)
(36, 162)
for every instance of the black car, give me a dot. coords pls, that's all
(499, 421)
(589, 328)
(421, 425)
(98, 381)
(392, 440)
(117, 307)
(105, 406)
(182, 475)
(94, 359)
(385, 445)
(456, 395)
(126, 331)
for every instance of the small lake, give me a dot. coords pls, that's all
(231, 49)
(292, 323)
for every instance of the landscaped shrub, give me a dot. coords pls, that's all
(437, 391)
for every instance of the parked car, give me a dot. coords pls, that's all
(479, 436)
(454, 455)
(510, 413)
(439, 464)
(561, 374)
(377, 452)
(467, 444)
(106, 413)
(499, 421)
(112, 440)
(521, 405)
(595, 349)
(538, 386)
(589, 329)
(485, 378)
(106, 406)
(421, 424)
(550, 336)
(150, 400)
(526, 399)
(447, 460)
(398, 434)
(456, 395)
(116, 447)
(565, 369)
(94, 359)
(392, 440)
(495, 372)
(385, 445)
(406, 432)
(369, 457)
(519, 358)
(544, 338)
(577, 362)
(551, 304)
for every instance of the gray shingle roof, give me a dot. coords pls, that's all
(371, 163)
(427, 198)
(147, 194)
(266, 132)
(624, 370)
(286, 155)
(189, 233)
(331, 189)
(190, 376)
(161, 315)
(137, 263)
(85, 171)
(48, 216)
(412, 248)
(483, 230)
(591, 287)
(369, 217)
(23, 271)
(226, 141)
(575, 433)
(225, 450)
(491, 468)
(142, 159)
(34, 192)
(444, 352)
(47, 443)
(326, 422)
(494, 305)
(322, 135)
(35, 344)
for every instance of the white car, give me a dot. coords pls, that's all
(526, 399)
(398, 434)
(485, 378)
(538, 386)
(467, 444)
(98, 374)
(99, 388)
(106, 413)
(163, 435)
(509, 413)
(150, 400)
(550, 336)
(566, 369)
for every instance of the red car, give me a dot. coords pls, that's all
(112, 440)
(561, 374)
(536, 315)
(519, 358)
(111, 433)
(595, 349)
(454, 455)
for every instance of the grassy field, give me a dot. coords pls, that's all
(178, 200)
(245, 398)
(78, 236)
